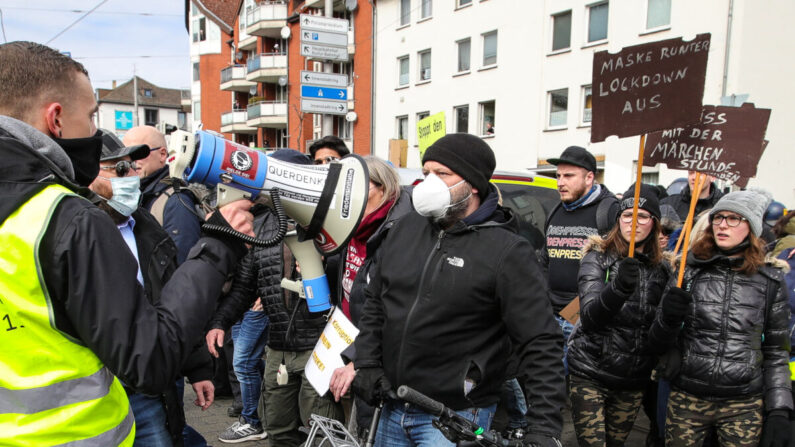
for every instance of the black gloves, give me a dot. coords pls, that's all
(776, 431)
(371, 385)
(539, 440)
(627, 277)
(675, 305)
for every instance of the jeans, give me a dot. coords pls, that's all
(249, 336)
(513, 400)
(150, 421)
(567, 328)
(404, 425)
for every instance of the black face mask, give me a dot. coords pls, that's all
(84, 154)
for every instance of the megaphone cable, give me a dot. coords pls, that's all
(281, 216)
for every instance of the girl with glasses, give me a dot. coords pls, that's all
(727, 327)
(610, 360)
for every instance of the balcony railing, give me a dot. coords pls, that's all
(267, 114)
(233, 78)
(267, 18)
(266, 67)
(234, 121)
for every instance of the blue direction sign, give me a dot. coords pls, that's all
(311, 91)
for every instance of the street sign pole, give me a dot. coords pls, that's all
(328, 122)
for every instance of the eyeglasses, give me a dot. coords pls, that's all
(325, 160)
(731, 220)
(643, 218)
(156, 148)
(121, 167)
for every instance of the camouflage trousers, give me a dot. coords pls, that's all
(602, 416)
(738, 422)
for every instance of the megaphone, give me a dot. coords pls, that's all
(326, 201)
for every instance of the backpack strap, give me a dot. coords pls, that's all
(158, 207)
(603, 221)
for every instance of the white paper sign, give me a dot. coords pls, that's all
(338, 335)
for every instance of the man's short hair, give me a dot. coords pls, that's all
(329, 142)
(31, 72)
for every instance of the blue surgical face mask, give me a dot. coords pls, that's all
(126, 194)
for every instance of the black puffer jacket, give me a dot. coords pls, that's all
(681, 202)
(734, 341)
(259, 274)
(611, 346)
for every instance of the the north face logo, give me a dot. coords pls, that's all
(455, 261)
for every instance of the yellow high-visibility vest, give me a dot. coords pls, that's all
(53, 390)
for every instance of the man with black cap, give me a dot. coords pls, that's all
(328, 149)
(454, 291)
(159, 418)
(78, 317)
(586, 208)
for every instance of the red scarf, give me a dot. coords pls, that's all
(357, 251)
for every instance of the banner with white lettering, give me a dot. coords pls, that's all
(338, 335)
(648, 87)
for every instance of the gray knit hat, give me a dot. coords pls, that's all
(750, 204)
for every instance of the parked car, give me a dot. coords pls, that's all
(530, 196)
(677, 186)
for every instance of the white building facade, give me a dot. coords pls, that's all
(518, 73)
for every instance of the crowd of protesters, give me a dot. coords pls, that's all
(114, 296)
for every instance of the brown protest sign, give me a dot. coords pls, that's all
(648, 87)
(726, 143)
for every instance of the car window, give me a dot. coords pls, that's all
(531, 205)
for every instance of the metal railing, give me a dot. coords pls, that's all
(236, 116)
(267, 60)
(267, 10)
(232, 72)
(267, 108)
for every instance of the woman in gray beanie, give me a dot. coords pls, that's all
(727, 326)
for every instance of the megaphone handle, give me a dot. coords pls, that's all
(276, 240)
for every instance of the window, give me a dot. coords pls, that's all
(281, 138)
(426, 10)
(461, 3)
(405, 12)
(487, 118)
(402, 123)
(148, 92)
(199, 29)
(561, 31)
(658, 13)
(422, 115)
(195, 71)
(150, 117)
(425, 65)
(461, 118)
(586, 104)
(197, 111)
(597, 22)
(182, 120)
(344, 127)
(490, 48)
(403, 71)
(558, 106)
(464, 47)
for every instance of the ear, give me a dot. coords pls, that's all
(163, 154)
(590, 176)
(53, 114)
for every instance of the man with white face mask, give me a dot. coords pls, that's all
(453, 293)
(159, 418)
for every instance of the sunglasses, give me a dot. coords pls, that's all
(325, 160)
(121, 167)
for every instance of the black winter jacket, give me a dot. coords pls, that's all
(157, 259)
(259, 274)
(90, 277)
(444, 306)
(734, 341)
(681, 202)
(611, 345)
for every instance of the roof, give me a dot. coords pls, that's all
(221, 12)
(160, 97)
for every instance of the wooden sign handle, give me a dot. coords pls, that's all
(699, 184)
(638, 182)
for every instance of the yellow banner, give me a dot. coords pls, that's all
(429, 130)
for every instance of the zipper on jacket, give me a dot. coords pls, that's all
(724, 324)
(414, 304)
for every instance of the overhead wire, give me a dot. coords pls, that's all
(76, 21)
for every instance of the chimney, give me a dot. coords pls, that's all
(114, 84)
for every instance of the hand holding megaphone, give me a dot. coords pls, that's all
(238, 216)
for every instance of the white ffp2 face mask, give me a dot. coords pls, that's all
(432, 197)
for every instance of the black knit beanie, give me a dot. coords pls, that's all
(468, 156)
(649, 200)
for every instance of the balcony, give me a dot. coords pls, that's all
(267, 67)
(246, 42)
(271, 114)
(235, 122)
(267, 19)
(233, 78)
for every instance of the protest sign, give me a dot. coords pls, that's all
(429, 129)
(338, 334)
(727, 143)
(648, 87)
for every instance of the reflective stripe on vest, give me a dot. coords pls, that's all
(53, 390)
(791, 370)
